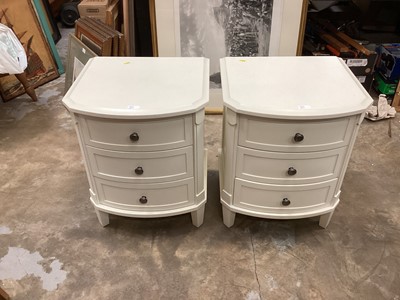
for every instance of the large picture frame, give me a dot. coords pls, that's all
(21, 18)
(128, 27)
(50, 30)
(283, 36)
(55, 32)
(216, 29)
(78, 55)
(97, 41)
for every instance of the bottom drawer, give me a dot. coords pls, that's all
(143, 197)
(283, 199)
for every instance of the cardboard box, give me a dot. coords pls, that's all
(366, 81)
(94, 9)
(363, 65)
(363, 69)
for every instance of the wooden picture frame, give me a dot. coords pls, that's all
(153, 26)
(20, 16)
(107, 31)
(126, 27)
(129, 27)
(396, 98)
(55, 31)
(170, 36)
(112, 15)
(95, 40)
(48, 31)
(118, 38)
(78, 55)
(283, 40)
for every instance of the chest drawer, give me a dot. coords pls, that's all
(142, 167)
(295, 135)
(289, 168)
(283, 199)
(146, 197)
(143, 135)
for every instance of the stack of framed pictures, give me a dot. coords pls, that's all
(100, 38)
(78, 55)
(92, 38)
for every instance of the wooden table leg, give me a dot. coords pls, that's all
(3, 295)
(396, 98)
(29, 89)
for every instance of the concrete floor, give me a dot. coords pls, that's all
(52, 246)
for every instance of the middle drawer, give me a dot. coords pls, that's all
(145, 167)
(289, 168)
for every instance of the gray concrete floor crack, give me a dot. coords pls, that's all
(255, 267)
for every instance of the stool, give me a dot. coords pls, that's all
(24, 81)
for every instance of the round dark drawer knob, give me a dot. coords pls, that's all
(139, 170)
(134, 137)
(285, 202)
(143, 200)
(298, 137)
(292, 171)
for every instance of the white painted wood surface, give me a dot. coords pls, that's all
(268, 101)
(161, 102)
(292, 87)
(140, 87)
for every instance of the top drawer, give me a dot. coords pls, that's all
(143, 135)
(295, 135)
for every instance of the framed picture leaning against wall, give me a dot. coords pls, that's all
(21, 18)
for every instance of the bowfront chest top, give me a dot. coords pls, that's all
(289, 127)
(140, 125)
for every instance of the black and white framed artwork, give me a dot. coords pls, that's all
(219, 28)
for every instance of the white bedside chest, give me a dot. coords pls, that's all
(140, 127)
(289, 127)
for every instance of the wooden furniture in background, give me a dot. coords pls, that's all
(302, 28)
(28, 88)
(24, 81)
(153, 25)
(128, 29)
(4, 295)
(396, 98)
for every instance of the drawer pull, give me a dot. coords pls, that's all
(291, 171)
(134, 137)
(285, 202)
(143, 200)
(298, 137)
(139, 170)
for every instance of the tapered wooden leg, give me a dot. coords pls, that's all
(4, 295)
(28, 89)
(198, 216)
(325, 219)
(228, 216)
(103, 217)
